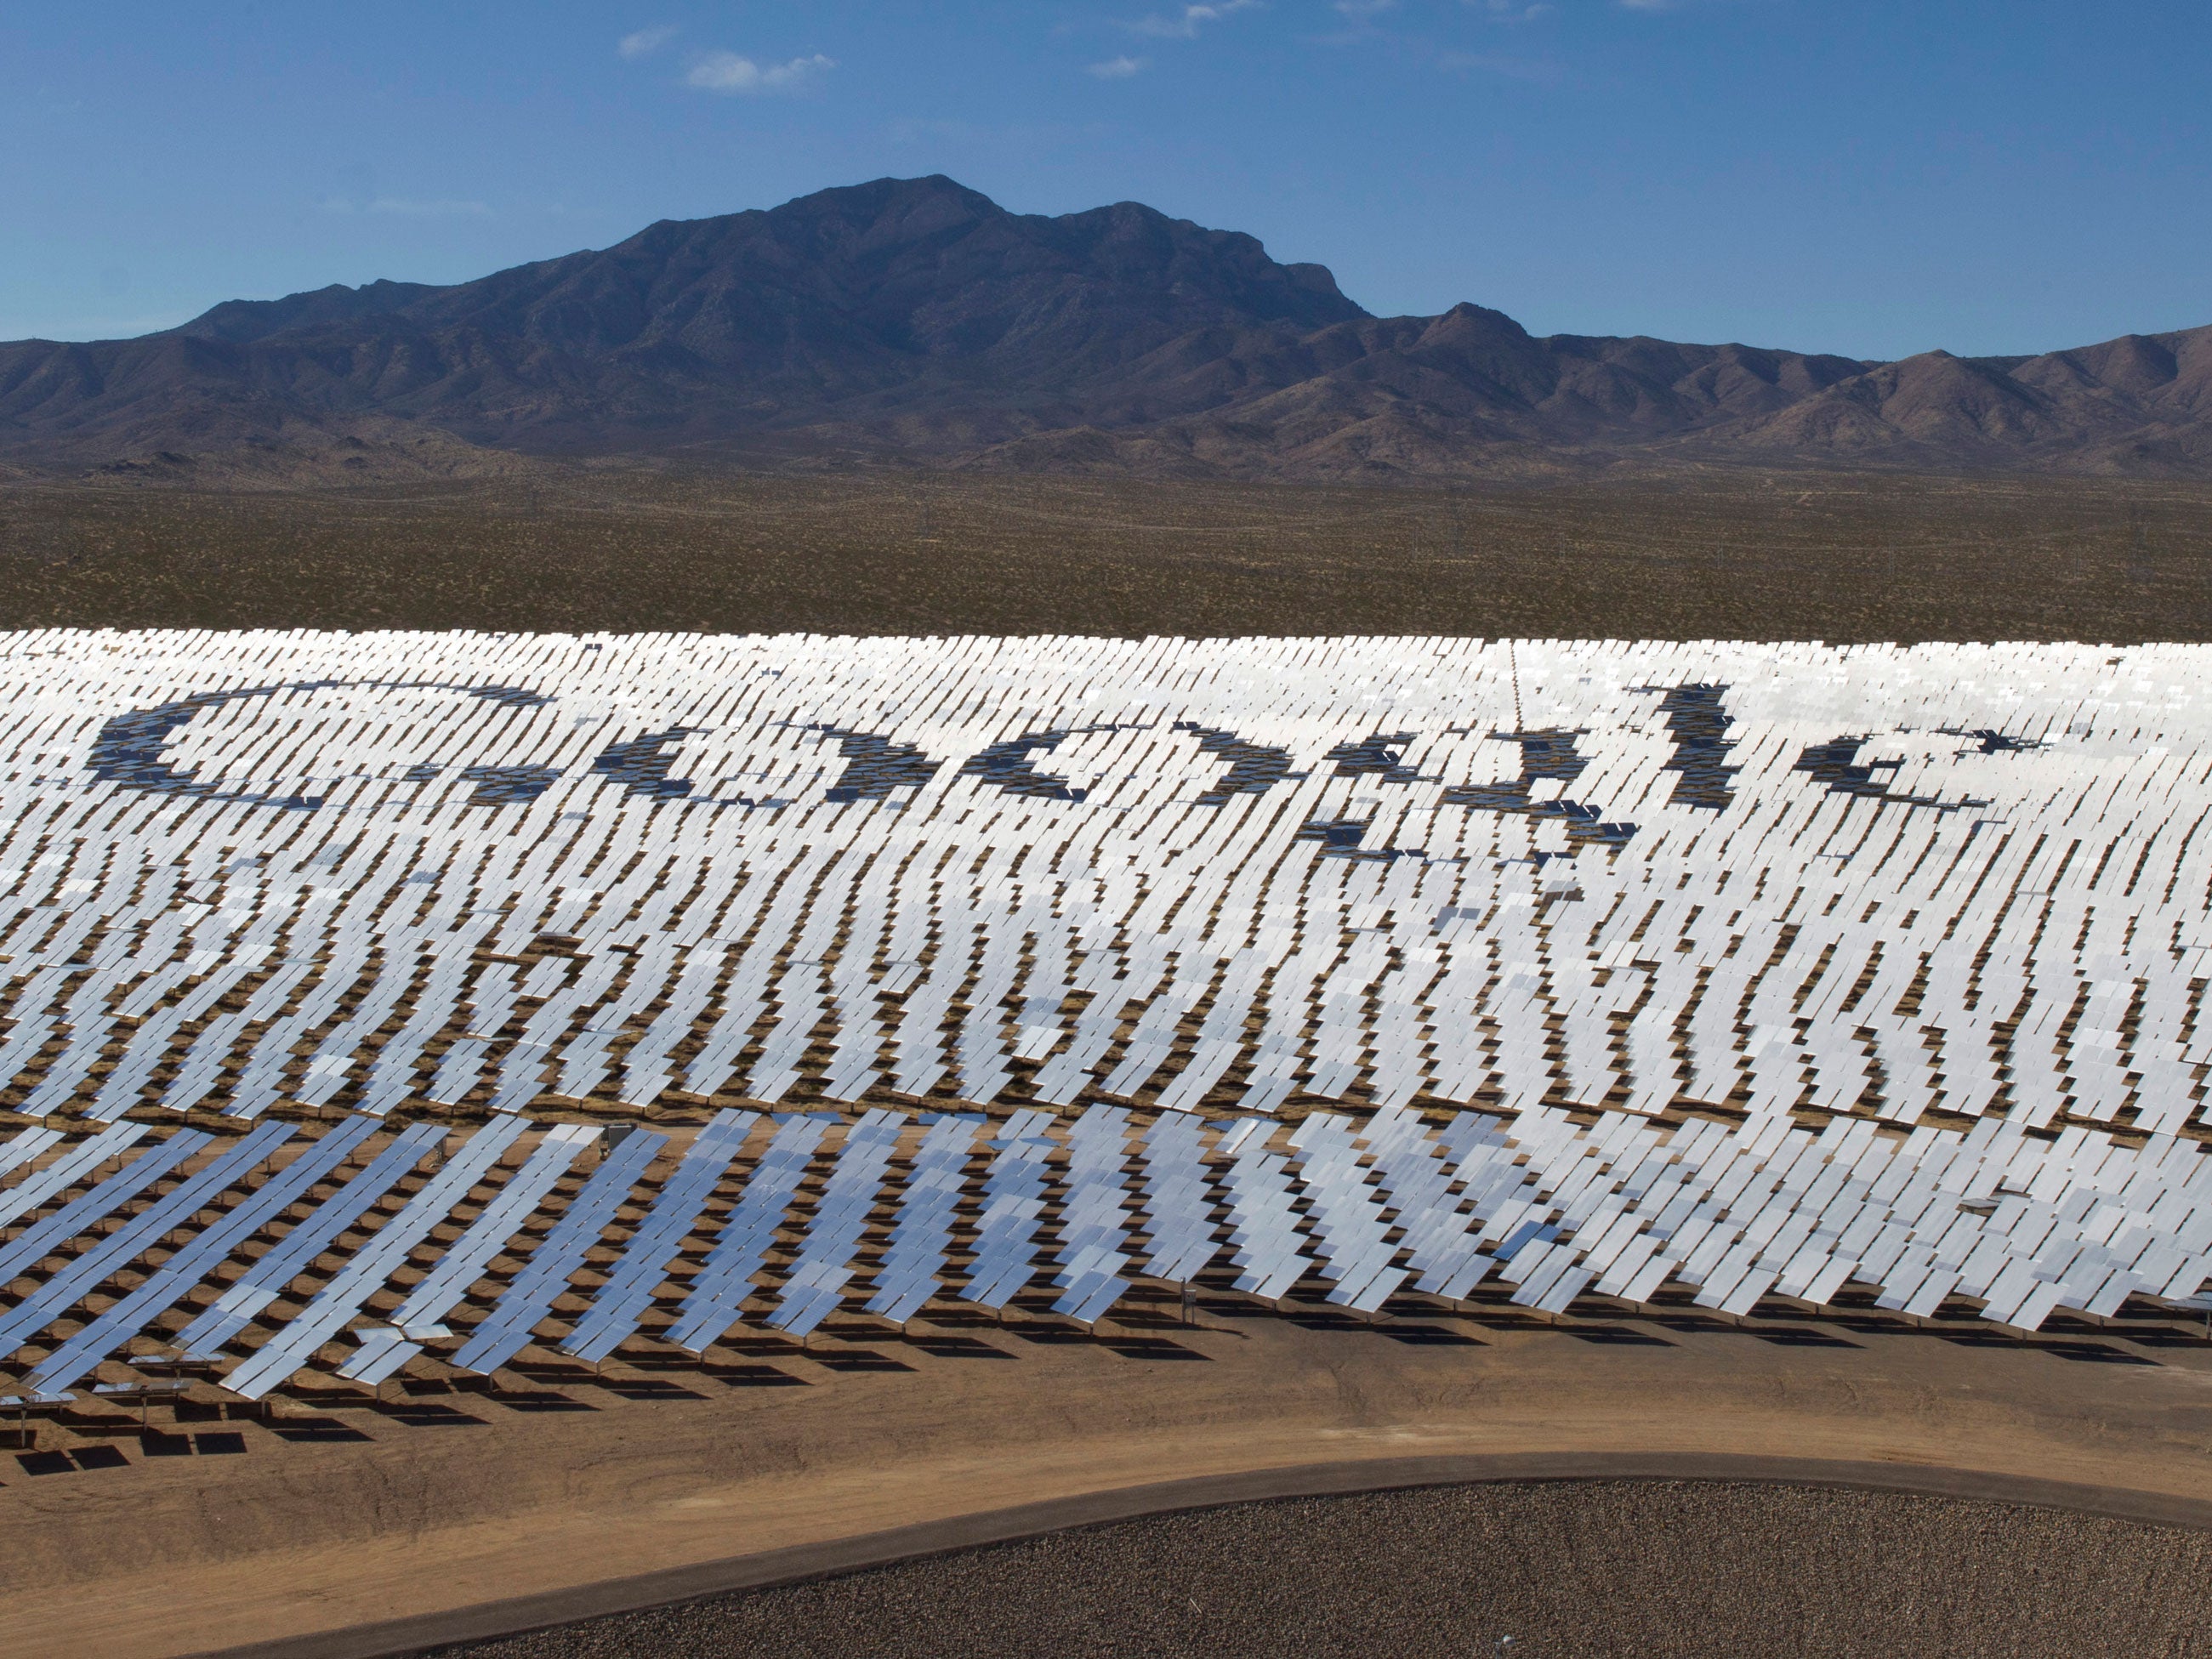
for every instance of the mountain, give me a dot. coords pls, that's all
(915, 319)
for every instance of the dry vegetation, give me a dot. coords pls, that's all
(1832, 557)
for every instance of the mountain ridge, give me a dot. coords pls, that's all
(915, 321)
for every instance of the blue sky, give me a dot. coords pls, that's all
(1860, 176)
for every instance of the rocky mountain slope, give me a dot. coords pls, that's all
(916, 320)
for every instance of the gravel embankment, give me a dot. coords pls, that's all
(1626, 1567)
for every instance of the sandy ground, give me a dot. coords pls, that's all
(1832, 555)
(440, 1499)
(1628, 1568)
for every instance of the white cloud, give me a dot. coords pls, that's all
(1519, 11)
(1117, 68)
(1361, 9)
(1185, 26)
(645, 41)
(726, 71)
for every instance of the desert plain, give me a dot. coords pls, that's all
(440, 1508)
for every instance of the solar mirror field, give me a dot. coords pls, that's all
(393, 1011)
